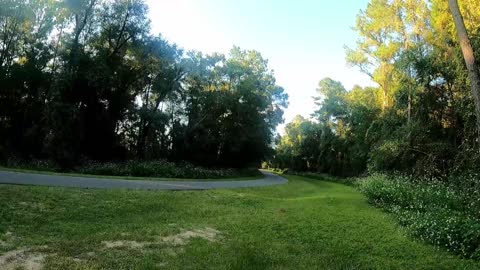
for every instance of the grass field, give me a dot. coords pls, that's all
(307, 224)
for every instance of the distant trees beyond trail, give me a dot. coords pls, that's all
(85, 79)
(422, 117)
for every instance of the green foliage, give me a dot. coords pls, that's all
(441, 214)
(350, 181)
(337, 141)
(154, 168)
(279, 171)
(88, 80)
(3, 155)
(388, 156)
(419, 120)
(161, 168)
(32, 164)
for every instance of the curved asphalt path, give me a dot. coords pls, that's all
(16, 178)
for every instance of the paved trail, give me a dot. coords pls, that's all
(17, 178)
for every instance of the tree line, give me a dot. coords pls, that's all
(423, 117)
(87, 80)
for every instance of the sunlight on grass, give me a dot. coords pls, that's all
(306, 224)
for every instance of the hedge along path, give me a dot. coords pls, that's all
(17, 178)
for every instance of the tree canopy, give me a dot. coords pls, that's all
(420, 119)
(86, 79)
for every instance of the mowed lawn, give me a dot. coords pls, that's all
(307, 224)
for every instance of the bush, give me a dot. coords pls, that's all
(387, 156)
(157, 168)
(34, 164)
(161, 168)
(325, 177)
(436, 212)
(279, 171)
(3, 155)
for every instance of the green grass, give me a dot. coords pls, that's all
(307, 224)
(126, 177)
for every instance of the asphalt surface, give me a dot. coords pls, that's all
(16, 178)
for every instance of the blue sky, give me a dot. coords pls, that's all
(302, 39)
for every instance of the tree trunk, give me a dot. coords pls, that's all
(467, 50)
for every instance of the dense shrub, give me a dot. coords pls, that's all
(158, 168)
(437, 212)
(325, 177)
(33, 164)
(161, 168)
(3, 155)
(387, 156)
(278, 170)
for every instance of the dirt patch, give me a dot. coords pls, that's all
(34, 205)
(34, 261)
(179, 239)
(128, 244)
(21, 258)
(10, 255)
(182, 238)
